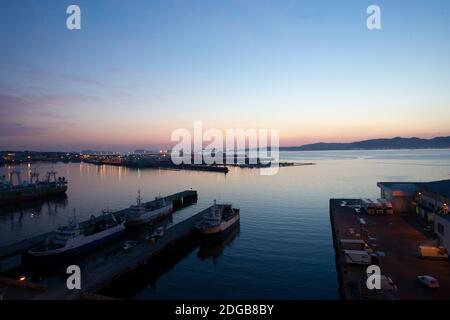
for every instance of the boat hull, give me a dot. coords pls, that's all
(62, 255)
(221, 230)
(15, 196)
(149, 217)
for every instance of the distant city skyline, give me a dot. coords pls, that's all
(138, 70)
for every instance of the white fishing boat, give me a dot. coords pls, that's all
(77, 237)
(141, 214)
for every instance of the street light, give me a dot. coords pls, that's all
(22, 278)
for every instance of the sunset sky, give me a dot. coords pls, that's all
(137, 70)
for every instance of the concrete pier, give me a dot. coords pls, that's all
(11, 255)
(395, 240)
(98, 277)
(101, 268)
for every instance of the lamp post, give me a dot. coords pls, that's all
(23, 278)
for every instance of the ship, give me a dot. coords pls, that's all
(142, 214)
(76, 238)
(11, 192)
(218, 220)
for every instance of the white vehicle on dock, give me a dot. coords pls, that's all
(359, 257)
(428, 281)
(355, 244)
(129, 245)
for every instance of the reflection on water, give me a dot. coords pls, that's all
(147, 275)
(15, 215)
(213, 248)
(50, 205)
(284, 247)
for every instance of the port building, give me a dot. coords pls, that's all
(429, 200)
(402, 195)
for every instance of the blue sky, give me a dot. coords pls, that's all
(137, 70)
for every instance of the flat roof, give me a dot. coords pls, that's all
(404, 187)
(441, 187)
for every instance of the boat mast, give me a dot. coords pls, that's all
(139, 199)
(17, 174)
(34, 175)
(51, 174)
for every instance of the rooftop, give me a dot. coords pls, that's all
(405, 187)
(441, 187)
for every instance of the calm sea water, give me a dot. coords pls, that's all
(283, 248)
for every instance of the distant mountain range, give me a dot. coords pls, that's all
(394, 143)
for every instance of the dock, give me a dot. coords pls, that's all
(11, 255)
(107, 264)
(96, 278)
(395, 240)
(157, 161)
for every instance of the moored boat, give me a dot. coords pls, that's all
(12, 192)
(75, 237)
(218, 219)
(142, 214)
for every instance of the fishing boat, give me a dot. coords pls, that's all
(76, 238)
(218, 219)
(142, 214)
(16, 191)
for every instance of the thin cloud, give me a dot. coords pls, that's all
(37, 104)
(39, 73)
(14, 129)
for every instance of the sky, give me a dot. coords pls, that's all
(138, 70)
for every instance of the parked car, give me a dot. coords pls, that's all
(129, 245)
(355, 244)
(428, 281)
(359, 257)
(159, 233)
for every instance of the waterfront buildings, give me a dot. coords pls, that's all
(433, 199)
(400, 194)
(427, 200)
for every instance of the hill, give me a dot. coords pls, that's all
(394, 143)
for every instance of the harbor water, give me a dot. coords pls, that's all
(283, 247)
